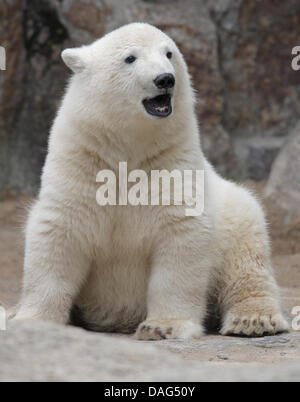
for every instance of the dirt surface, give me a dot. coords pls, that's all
(284, 348)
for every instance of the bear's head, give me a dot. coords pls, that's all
(131, 75)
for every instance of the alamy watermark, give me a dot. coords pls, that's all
(296, 59)
(296, 320)
(2, 319)
(2, 58)
(158, 187)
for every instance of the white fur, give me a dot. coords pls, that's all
(121, 265)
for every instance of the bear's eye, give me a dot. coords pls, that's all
(130, 59)
(169, 55)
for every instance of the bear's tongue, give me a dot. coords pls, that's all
(159, 106)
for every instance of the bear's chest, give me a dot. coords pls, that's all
(124, 231)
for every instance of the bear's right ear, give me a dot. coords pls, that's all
(73, 58)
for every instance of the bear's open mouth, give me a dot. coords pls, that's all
(159, 106)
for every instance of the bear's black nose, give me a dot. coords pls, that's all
(165, 81)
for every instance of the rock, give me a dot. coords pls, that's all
(284, 182)
(283, 191)
(238, 52)
(222, 356)
(31, 88)
(47, 352)
(256, 155)
(261, 90)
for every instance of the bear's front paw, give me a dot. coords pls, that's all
(154, 330)
(254, 324)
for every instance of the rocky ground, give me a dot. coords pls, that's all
(48, 352)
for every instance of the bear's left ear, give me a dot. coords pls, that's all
(74, 59)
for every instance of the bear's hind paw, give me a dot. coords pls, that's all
(254, 324)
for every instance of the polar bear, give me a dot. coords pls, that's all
(151, 270)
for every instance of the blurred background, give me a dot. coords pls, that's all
(239, 54)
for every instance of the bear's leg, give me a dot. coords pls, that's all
(248, 294)
(176, 300)
(250, 301)
(55, 266)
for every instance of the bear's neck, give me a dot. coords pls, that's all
(147, 140)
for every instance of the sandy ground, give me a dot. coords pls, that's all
(212, 348)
